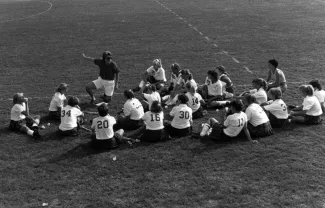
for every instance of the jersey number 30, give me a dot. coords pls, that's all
(184, 114)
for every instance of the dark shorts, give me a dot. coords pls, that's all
(312, 120)
(55, 115)
(72, 132)
(275, 122)
(111, 143)
(174, 132)
(198, 114)
(217, 133)
(155, 82)
(230, 89)
(153, 135)
(127, 124)
(262, 130)
(17, 125)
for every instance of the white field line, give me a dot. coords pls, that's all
(30, 16)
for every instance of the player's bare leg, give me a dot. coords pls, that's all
(89, 89)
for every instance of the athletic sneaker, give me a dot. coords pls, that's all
(36, 134)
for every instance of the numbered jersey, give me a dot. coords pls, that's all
(278, 108)
(154, 121)
(194, 101)
(134, 109)
(103, 127)
(69, 117)
(182, 116)
(234, 124)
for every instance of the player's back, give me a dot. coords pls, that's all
(103, 127)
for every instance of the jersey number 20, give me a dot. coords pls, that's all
(102, 124)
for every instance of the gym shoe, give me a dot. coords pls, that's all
(136, 89)
(205, 129)
(36, 135)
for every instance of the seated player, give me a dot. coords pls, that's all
(20, 120)
(174, 79)
(154, 75)
(259, 91)
(280, 80)
(224, 77)
(154, 124)
(310, 109)
(186, 76)
(276, 108)
(181, 124)
(150, 96)
(103, 136)
(195, 101)
(319, 93)
(71, 118)
(212, 89)
(57, 102)
(258, 122)
(130, 118)
(234, 126)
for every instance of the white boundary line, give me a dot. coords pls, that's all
(34, 15)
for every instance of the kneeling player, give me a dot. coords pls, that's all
(234, 126)
(20, 121)
(103, 135)
(71, 117)
(181, 124)
(57, 102)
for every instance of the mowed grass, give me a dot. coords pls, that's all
(283, 170)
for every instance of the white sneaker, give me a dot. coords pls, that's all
(205, 129)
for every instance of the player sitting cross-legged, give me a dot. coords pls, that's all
(103, 136)
(57, 102)
(154, 75)
(71, 118)
(108, 77)
(195, 101)
(150, 95)
(20, 120)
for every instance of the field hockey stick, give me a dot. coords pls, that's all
(84, 128)
(27, 106)
(90, 112)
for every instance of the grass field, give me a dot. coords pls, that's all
(38, 52)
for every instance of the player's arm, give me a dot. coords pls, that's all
(269, 76)
(298, 108)
(248, 135)
(88, 57)
(277, 81)
(298, 113)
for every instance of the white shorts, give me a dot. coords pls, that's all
(108, 85)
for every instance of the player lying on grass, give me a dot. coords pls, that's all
(174, 79)
(20, 120)
(181, 124)
(258, 122)
(234, 126)
(259, 91)
(186, 77)
(108, 77)
(310, 109)
(57, 102)
(275, 108)
(103, 136)
(154, 124)
(154, 75)
(130, 118)
(195, 101)
(71, 118)
(319, 93)
(280, 80)
(150, 95)
(224, 77)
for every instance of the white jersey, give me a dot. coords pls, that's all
(182, 116)
(182, 83)
(57, 101)
(260, 95)
(194, 101)
(159, 75)
(278, 108)
(175, 79)
(16, 111)
(134, 109)
(153, 121)
(312, 105)
(256, 115)
(154, 96)
(103, 127)
(214, 89)
(69, 117)
(320, 94)
(234, 124)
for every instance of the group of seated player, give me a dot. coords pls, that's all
(250, 114)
